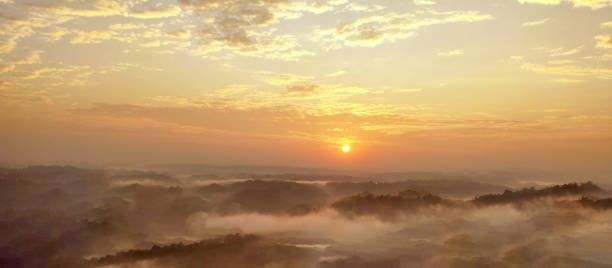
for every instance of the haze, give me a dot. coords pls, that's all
(409, 85)
(305, 133)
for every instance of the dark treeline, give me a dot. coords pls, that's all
(235, 250)
(387, 206)
(529, 194)
(604, 203)
(54, 216)
(227, 242)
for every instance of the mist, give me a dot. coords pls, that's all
(305, 133)
(63, 216)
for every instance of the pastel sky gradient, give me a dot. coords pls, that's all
(423, 84)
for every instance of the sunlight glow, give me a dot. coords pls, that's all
(346, 148)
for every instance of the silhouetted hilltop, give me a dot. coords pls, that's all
(528, 194)
(455, 188)
(268, 197)
(387, 206)
(234, 250)
(56, 216)
(605, 203)
(157, 251)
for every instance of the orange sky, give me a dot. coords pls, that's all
(440, 84)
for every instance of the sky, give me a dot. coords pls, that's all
(409, 85)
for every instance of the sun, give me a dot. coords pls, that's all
(346, 148)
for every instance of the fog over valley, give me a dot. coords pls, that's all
(64, 216)
(305, 133)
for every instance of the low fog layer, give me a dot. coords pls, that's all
(60, 216)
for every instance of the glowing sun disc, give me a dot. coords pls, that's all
(346, 148)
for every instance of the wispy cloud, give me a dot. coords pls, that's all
(558, 52)
(604, 41)
(455, 52)
(567, 80)
(594, 4)
(535, 22)
(607, 24)
(408, 90)
(371, 31)
(424, 2)
(338, 73)
(570, 70)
